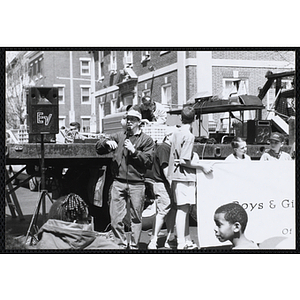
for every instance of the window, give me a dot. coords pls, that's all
(85, 124)
(61, 93)
(145, 56)
(100, 65)
(127, 99)
(113, 61)
(128, 59)
(234, 86)
(85, 66)
(113, 106)
(166, 95)
(85, 94)
(39, 66)
(35, 68)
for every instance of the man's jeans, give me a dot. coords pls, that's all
(125, 196)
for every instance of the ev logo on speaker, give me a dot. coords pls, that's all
(41, 119)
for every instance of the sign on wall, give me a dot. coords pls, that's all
(266, 190)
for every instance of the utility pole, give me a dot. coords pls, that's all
(72, 110)
(93, 125)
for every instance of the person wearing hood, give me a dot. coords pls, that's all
(68, 227)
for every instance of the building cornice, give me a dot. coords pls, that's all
(243, 63)
(252, 63)
(159, 72)
(33, 54)
(107, 90)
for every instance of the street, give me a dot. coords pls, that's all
(28, 201)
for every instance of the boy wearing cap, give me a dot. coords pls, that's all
(132, 156)
(275, 153)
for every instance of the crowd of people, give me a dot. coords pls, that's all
(171, 166)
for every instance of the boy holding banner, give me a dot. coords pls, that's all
(182, 173)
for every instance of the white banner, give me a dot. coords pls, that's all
(266, 190)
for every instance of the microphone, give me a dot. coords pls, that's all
(128, 132)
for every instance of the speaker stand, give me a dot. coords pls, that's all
(41, 201)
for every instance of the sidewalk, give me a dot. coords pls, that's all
(28, 201)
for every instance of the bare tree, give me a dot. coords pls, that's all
(16, 81)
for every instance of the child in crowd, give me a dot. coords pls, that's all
(239, 148)
(166, 210)
(275, 153)
(182, 173)
(231, 221)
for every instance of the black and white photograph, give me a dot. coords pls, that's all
(150, 150)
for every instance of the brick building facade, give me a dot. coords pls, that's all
(177, 76)
(70, 71)
(93, 84)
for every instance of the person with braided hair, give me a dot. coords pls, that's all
(72, 209)
(68, 227)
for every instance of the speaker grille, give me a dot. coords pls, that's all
(42, 109)
(258, 132)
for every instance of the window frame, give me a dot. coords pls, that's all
(85, 59)
(36, 68)
(81, 125)
(81, 94)
(113, 61)
(145, 56)
(128, 59)
(238, 79)
(63, 86)
(165, 86)
(100, 65)
(113, 104)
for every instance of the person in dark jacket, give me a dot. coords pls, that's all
(132, 157)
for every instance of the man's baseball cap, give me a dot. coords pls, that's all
(134, 113)
(276, 136)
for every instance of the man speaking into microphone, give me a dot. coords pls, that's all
(132, 157)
